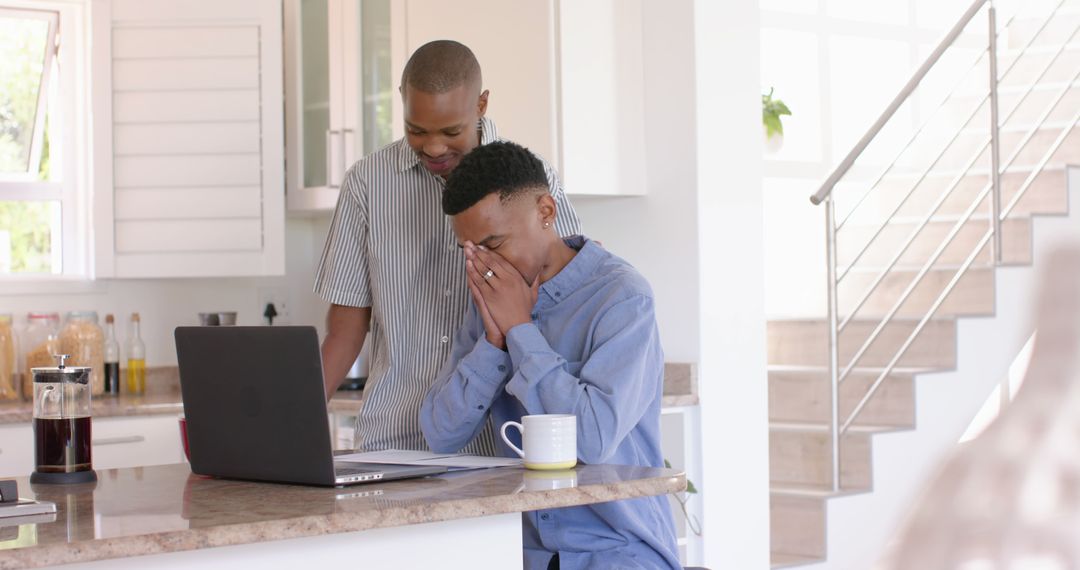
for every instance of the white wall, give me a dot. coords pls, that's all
(657, 232)
(734, 399)
(697, 236)
(164, 304)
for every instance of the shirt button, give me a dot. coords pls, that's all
(445, 339)
(534, 316)
(558, 293)
(545, 517)
(502, 368)
(480, 406)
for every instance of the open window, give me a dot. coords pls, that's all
(33, 202)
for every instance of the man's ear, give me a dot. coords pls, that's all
(546, 208)
(482, 102)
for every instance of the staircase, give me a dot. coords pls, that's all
(927, 315)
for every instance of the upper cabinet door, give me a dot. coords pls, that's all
(565, 76)
(337, 93)
(515, 44)
(189, 144)
(602, 97)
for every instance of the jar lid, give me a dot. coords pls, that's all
(62, 372)
(74, 374)
(43, 316)
(82, 315)
(5, 318)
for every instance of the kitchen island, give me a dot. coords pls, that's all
(166, 517)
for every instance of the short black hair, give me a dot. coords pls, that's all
(504, 167)
(440, 66)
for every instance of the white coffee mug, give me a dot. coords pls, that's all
(549, 440)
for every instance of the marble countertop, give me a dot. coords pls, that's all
(163, 396)
(152, 510)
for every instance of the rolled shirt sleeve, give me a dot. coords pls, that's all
(342, 275)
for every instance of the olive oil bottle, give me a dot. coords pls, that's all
(136, 362)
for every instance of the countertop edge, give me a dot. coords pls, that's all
(336, 523)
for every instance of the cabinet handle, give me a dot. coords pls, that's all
(330, 137)
(117, 440)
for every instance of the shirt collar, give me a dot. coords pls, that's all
(580, 268)
(407, 157)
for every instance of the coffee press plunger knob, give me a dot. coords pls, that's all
(60, 359)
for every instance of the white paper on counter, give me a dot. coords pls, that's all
(451, 460)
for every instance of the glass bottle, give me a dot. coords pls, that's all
(136, 363)
(9, 388)
(82, 339)
(41, 341)
(112, 358)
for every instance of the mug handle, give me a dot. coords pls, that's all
(502, 432)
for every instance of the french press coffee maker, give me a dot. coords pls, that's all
(62, 424)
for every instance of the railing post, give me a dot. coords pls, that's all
(995, 143)
(834, 345)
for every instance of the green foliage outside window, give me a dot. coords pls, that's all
(25, 226)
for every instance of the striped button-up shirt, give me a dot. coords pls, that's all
(391, 248)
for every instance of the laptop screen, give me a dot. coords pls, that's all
(255, 403)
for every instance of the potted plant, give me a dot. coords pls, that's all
(771, 111)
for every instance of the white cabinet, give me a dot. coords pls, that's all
(136, 441)
(566, 80)
(337, 93)
(16, 450)
(565, 76)
(132, 441)
(188, 138)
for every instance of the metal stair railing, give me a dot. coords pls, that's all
(838, 372)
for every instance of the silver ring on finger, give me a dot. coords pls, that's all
(488, 274)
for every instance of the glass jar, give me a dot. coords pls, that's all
(40, 341)
(9, 381)
(84, 340)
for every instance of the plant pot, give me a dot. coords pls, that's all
(774, 143)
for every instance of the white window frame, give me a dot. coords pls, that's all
(69, 145)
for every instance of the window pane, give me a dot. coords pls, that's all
(315, 71)
(22, 57)
(30, 237)
(375, 70)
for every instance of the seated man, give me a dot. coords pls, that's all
(555, 327)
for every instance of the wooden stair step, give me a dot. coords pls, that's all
(973, 294)
(797, 526)
(1015, 235)
(805, 396)
(799, 454)
(805, 342)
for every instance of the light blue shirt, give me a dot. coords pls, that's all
(592, 350)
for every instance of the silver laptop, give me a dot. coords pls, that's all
(256, 408)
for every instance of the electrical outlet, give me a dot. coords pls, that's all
(279, 296)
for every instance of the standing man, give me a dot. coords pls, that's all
(391, 267)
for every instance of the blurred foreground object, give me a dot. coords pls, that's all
(1010, 499)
